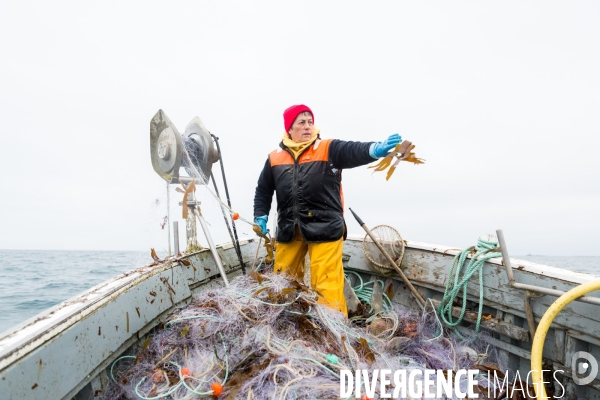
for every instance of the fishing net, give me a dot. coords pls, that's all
(391, 241)
(266, 337)
(198, 156)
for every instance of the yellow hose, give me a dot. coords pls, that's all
(542, 329)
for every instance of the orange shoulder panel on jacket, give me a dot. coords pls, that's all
(280, 157)
(319, 151)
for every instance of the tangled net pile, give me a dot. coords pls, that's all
(266, 337)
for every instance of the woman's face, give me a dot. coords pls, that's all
(302, 128)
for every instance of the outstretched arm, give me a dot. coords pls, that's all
(345, 154)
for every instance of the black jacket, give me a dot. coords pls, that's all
(309, 189)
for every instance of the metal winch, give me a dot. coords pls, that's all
(166, 150)
(196, 153)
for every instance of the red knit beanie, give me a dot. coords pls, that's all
(290, 114)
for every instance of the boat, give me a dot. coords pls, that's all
(67, 351)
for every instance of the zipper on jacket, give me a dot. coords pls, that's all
(295, 194)
(295, 185)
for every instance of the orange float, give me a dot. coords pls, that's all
(217, 388)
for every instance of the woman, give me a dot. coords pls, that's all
(306, 174)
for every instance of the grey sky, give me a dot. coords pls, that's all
(500, 98)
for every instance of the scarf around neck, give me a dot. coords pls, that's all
(298, 148)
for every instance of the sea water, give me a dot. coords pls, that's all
(32, 280)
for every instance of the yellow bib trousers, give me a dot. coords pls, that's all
(326, 269)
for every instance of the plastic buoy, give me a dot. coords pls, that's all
(235, 216)
(185, 372)
(332, 358)
(217, 388)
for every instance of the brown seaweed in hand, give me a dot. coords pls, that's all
(402, 152)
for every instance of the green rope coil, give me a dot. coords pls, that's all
(364, 293)
(483, 252)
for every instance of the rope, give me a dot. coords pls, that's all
(483, 252)
(364, 293)
(210, 191)
(437, 319)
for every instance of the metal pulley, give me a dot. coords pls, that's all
(167, 144)
(165, 147)
(200, 150)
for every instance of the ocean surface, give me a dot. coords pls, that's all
(33, 280)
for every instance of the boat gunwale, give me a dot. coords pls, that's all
(518, 264)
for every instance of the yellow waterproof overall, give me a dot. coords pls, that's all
(326, 270)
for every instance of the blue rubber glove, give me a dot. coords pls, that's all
(381, 149)
(262, 222)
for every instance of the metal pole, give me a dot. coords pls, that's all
(192, 244)
(539, 289)
(417, 295)
(211, 245)
(169, 217)
(505, 258)
(234, 241)
(176, 236)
